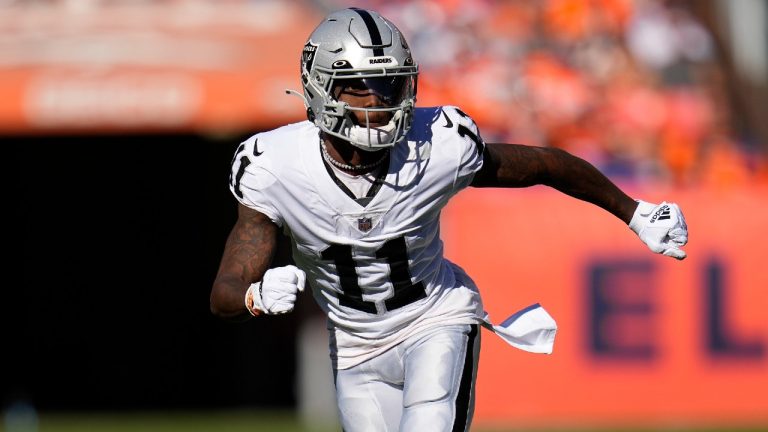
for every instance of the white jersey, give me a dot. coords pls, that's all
(376, 265)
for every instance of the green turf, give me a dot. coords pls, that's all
(246, 421)
(170, 422)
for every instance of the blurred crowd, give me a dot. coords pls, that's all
(635, 86)
(640, 88)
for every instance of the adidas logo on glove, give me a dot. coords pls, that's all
(661, 214)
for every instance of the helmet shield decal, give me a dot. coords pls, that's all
(308, 55)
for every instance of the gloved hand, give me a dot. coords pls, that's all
(276, 292)
(662, 227)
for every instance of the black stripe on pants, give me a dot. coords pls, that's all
(465, 387)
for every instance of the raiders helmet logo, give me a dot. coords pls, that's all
(308, 55)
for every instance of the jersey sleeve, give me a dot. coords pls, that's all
(252, 182)
(471, 148)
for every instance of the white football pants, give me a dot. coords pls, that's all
(424, 384)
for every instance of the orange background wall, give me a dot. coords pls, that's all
(537, 245)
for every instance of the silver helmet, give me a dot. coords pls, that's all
(361, 45)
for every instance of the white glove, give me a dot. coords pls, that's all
(276, 292)
(662, 227)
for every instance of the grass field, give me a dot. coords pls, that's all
(242, 421)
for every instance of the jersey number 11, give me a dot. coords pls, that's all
(396, 254)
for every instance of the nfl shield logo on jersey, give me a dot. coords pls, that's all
(364, 224)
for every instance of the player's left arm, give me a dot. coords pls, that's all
(662, 227)
(514, 165)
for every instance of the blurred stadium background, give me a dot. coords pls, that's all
(121, 118)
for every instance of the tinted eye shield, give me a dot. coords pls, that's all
(390, 89)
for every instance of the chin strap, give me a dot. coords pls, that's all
(373, 138)
(370, 138)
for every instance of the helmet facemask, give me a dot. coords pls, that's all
(365, 127)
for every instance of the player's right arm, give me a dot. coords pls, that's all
(247, 255)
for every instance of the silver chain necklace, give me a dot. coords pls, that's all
(347, 167)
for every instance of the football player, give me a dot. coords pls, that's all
(358, 188)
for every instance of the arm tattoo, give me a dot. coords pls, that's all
(251, 246)
(510, 165)
(248, 254)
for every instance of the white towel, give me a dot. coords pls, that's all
(531, 329)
